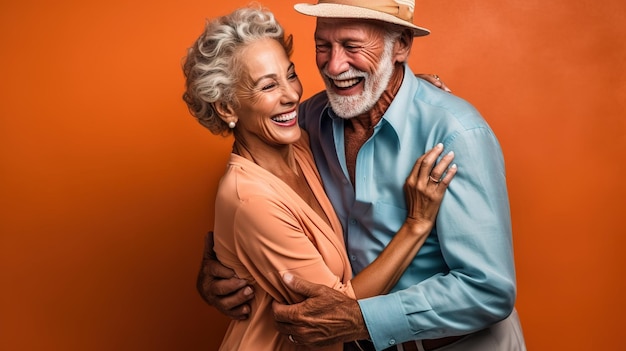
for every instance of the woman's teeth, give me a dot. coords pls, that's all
(286, 117)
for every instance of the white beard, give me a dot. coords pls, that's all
(375, 84)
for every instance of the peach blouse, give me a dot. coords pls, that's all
(264, 229)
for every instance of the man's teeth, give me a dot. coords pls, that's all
(346, 83)
(286, 117)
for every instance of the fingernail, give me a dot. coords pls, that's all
(247, 291)
(451, 153)
(287, 277)
(453, 165)
(439, 146)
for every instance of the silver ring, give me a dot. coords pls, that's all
(436, 181)
(291, 339)
(436, 77)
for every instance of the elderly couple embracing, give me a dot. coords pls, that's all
(372, 216)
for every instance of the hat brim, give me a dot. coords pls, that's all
(347, 11)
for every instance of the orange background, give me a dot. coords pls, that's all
(106, 181)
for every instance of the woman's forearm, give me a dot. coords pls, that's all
(384, 272)
(424, 190)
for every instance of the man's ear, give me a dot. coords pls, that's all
(402, 46)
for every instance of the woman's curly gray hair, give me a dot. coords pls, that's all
(211, 63)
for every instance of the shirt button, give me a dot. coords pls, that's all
(353, 258)
(392, 342)
(353, 221)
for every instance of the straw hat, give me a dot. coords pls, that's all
(398, 12)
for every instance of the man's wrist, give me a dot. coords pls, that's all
(362, 332)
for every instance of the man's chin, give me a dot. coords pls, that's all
(347, 107)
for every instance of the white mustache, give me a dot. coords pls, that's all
(351, 73)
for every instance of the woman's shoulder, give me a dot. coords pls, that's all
(244, 179)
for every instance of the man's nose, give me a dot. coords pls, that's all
(337, 62)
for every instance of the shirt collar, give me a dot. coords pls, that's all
(396, 114)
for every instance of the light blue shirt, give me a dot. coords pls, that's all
(463, 278)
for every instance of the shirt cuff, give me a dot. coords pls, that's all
(386, 318)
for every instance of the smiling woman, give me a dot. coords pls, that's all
(272, 216)
(268, 93)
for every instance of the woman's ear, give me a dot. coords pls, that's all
(225, 111)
